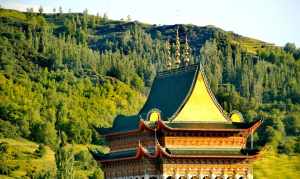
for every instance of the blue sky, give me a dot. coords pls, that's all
(275, 21)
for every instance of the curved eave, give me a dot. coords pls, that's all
(162, 126)
(254, 126)
(141, 127)
(160, 152)
(140, 152)
(163, 153)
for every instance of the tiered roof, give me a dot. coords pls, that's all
(185, 104)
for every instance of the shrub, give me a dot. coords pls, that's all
(98, 174)
(7, 130)
(82, 156)
(4, 170)
(41, 150)
(45, 133)
(3, 147)
(85, 159)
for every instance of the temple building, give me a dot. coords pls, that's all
(181, 132)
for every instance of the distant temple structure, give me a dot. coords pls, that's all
(180, 133)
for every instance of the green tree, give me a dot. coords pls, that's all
(290, 48)
(288, 146)
(41, 10)
(45, 133)
(64, 159)
(292, 124)
(60, 10)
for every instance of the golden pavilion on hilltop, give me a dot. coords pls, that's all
(181, 132)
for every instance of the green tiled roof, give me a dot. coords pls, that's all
(114, 155)
(122, 123)
(170, 90)
(169, 93)
(119, 154)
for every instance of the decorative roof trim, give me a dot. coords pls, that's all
(254, 126)
(139, 154)
(161, 125)
(161, 152)
(177, 70)
(142, 126)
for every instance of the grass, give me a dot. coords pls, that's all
(23, 160)
(13, 14)
(273, 166)
(249, 45)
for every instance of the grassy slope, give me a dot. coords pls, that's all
(27, 161)
(272, 166)
(22, 155)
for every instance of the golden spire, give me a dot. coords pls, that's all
(177, 49)
(169, 63)
(186, 52)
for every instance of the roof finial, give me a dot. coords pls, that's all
(177, 48)
(169, 63)
(186, 52)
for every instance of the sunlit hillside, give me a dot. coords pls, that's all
(64, 75)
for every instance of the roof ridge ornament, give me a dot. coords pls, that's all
(186, 59)
(177, 55)
(169, 60)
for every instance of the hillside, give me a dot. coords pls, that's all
(62, 75)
